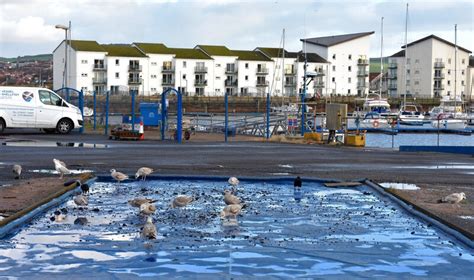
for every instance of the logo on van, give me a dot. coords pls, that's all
(27, 96)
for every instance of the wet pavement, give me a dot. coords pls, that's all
(281, 233)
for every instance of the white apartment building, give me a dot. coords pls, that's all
(431, 69)
(293, 73)
(348, 56)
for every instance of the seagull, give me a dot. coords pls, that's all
(81, 200)
(84, 187)
(61, 167)
(231, 210)
(229, 198)
(298, 182)
(181, 201)
(137, 202)
(453, 198)
(119, 176)
(17, 171)
(234, 182)
(149, 229)
(143, 172)
(147, 208)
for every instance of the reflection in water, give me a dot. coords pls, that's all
(297, 194)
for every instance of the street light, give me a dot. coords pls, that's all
(65, 28)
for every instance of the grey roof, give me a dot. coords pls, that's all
(399, 54)
(310, 57)
(439, 39)
(334, 40)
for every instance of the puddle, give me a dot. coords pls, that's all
(315, 232)
(28, 143)
(467, 217)
(400, 186)
(280, 173)
(285, 165)
(73, 171)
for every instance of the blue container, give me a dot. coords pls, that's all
(149, 112)
(128, 119)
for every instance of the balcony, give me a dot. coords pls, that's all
(392, 86)
(392, 65)
(290, 72)
(262, 71)
(438, 87)
(320, 72)
(134, 81)
(99, 67)
(167, 69)
(392, 76)
(262, 83)
(439, 76)
(362, 73)
(167, 82)
(200, 69)
(318, 84)
(290, 83)
(361, 61)
(134, 68)
(200, 83)
(230, 83)
(439, 64)
(231, 71)
(99, 81)
(361, 85)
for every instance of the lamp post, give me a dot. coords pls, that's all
(66, 29)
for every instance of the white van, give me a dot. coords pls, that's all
(29, 107)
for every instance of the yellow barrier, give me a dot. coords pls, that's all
(315, 136)
(355, 140)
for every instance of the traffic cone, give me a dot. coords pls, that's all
(141, 131)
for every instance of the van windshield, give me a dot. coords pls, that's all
(49, 98)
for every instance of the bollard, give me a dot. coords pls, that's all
(95, 111)
(226, 117)
(107, 114)
(132, 93)
(179, 125)
(81, 107)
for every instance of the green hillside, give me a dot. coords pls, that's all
(39, 57)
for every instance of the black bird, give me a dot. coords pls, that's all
(298, 183)
(84, 187)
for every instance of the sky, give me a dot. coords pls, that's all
(27, 27)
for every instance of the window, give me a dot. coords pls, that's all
(153, 76)
(246, 78)
(348, 91)
(408, 71)
(417, 82)
(462, 83)
(349, 80)
(117, 62)
(333, 79)
(153, 89)
(84, 75)
(417, 71)
(117, 75)
(246, 66)
(200, 91)
(349, 68)
(84, 89)
(218, 78)
(184, 64)
(153, 63)
(334, 68)
(449, 72)
(463, 61)
(350, 57)
(449, 60)
(334, 56)
(84, 61)
(408, 61)
(449, 82)
(49, 98)
(184, 76)
(218, 65)
(417, 61)
(462, 72)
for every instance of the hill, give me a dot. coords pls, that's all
(39, 57)
(375, 64)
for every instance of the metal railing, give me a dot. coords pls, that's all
(262, 83)
(168, 82)
(230, 83)
(200, 69)
(439, 64)
(439, 76)
(134, 81)
(262, 70)
(392, 65)
(362, 73)
(134, 67)
(361, 61)
(200, 83)
(99, 67)
(290, 72)
(167, 68)
(99, 80)
(231, 70)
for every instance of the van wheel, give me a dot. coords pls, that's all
(49, 130)
(64, 126)
(2, 125)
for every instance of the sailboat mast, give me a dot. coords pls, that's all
(381, 61)
(455, 66)
(283, 67)
(406, 58)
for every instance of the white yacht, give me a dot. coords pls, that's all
(409, 115)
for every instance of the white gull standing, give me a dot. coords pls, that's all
(61, 168)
